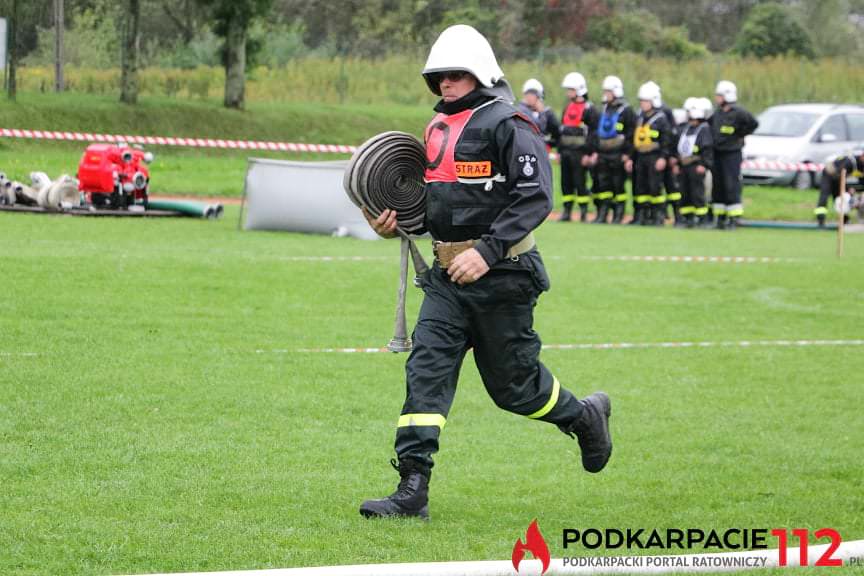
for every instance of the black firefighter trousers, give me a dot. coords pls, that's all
(494, 316)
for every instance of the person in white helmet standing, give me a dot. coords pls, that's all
(613, 146)
(578, 124)
(488, 186)
(729, 125)
(695, 159)
(533, 105)
(652, 142)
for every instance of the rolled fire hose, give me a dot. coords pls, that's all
(386, 172)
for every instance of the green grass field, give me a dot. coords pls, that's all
(157, 416)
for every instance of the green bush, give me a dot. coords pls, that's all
(772, 30)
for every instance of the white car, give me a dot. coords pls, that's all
(801, 133)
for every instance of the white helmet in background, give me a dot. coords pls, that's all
(693, 108)
(680, 115)
(462, 47)
(614, 85)
(576, 81)
(657, 102)
(533, 85)
(727, 90)
(650, 91)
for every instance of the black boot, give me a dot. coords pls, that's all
(676, 215)
(565, 215)
(583, 212)
(637, 215)
(647, 215)
(732, 223)
(721, 221)
(411, 497)
(602, 213)
(618, 213)
(689, 221)
(660, 214)
(592, 430)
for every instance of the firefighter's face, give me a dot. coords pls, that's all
(645, 105)
(571, 94)
(608, 96)
(455, 85)
(530, 98)
(718, 99)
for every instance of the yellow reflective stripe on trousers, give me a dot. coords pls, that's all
(658, 199)
(621, 197)
(553, 399)
(583, 199)
(673, 196)
(701, 211)
(642, 198)
(421, 420)
(568, 197)
(820, 210)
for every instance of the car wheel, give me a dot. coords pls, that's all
(803, 181)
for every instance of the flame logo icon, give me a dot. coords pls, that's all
(535, 544)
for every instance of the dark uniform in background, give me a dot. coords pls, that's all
(578, 123)
(652, 140)
(489, 185)
(695, 150)
(671, 185)
(546, 122)
(729, 125)
(829, 185)
(613, 140)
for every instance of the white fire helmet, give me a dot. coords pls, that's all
(614, 85)
(697, 108)
(650, 91)
(462, 47)
(727, 90)
(577, 82)
(533, 85)
(680, 115)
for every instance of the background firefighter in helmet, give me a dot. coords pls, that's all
(534, 107)
(729, 125)
(652, 139)
(695, 158)
(829, 186)
(487, 276)
(612, 143)
(578, 123)
(671, 185)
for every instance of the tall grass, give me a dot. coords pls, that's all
(396, 80)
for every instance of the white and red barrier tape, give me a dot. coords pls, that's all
(172, 141)
(292, 146)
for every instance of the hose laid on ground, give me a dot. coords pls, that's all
(189, 208)
(386, 172)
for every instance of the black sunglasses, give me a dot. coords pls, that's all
(451, 75)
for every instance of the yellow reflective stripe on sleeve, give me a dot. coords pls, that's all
(553, 399)
(421, 420)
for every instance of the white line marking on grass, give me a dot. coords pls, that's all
(625, 258)
(24, 354)
(613, 346)
(704, 563)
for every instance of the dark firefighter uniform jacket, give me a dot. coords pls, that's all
(853, 166)
(488, 177)
(614, 133)
(546, 122)
(578, 127)
(696, 145)
(652, 135)
(730, 127)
